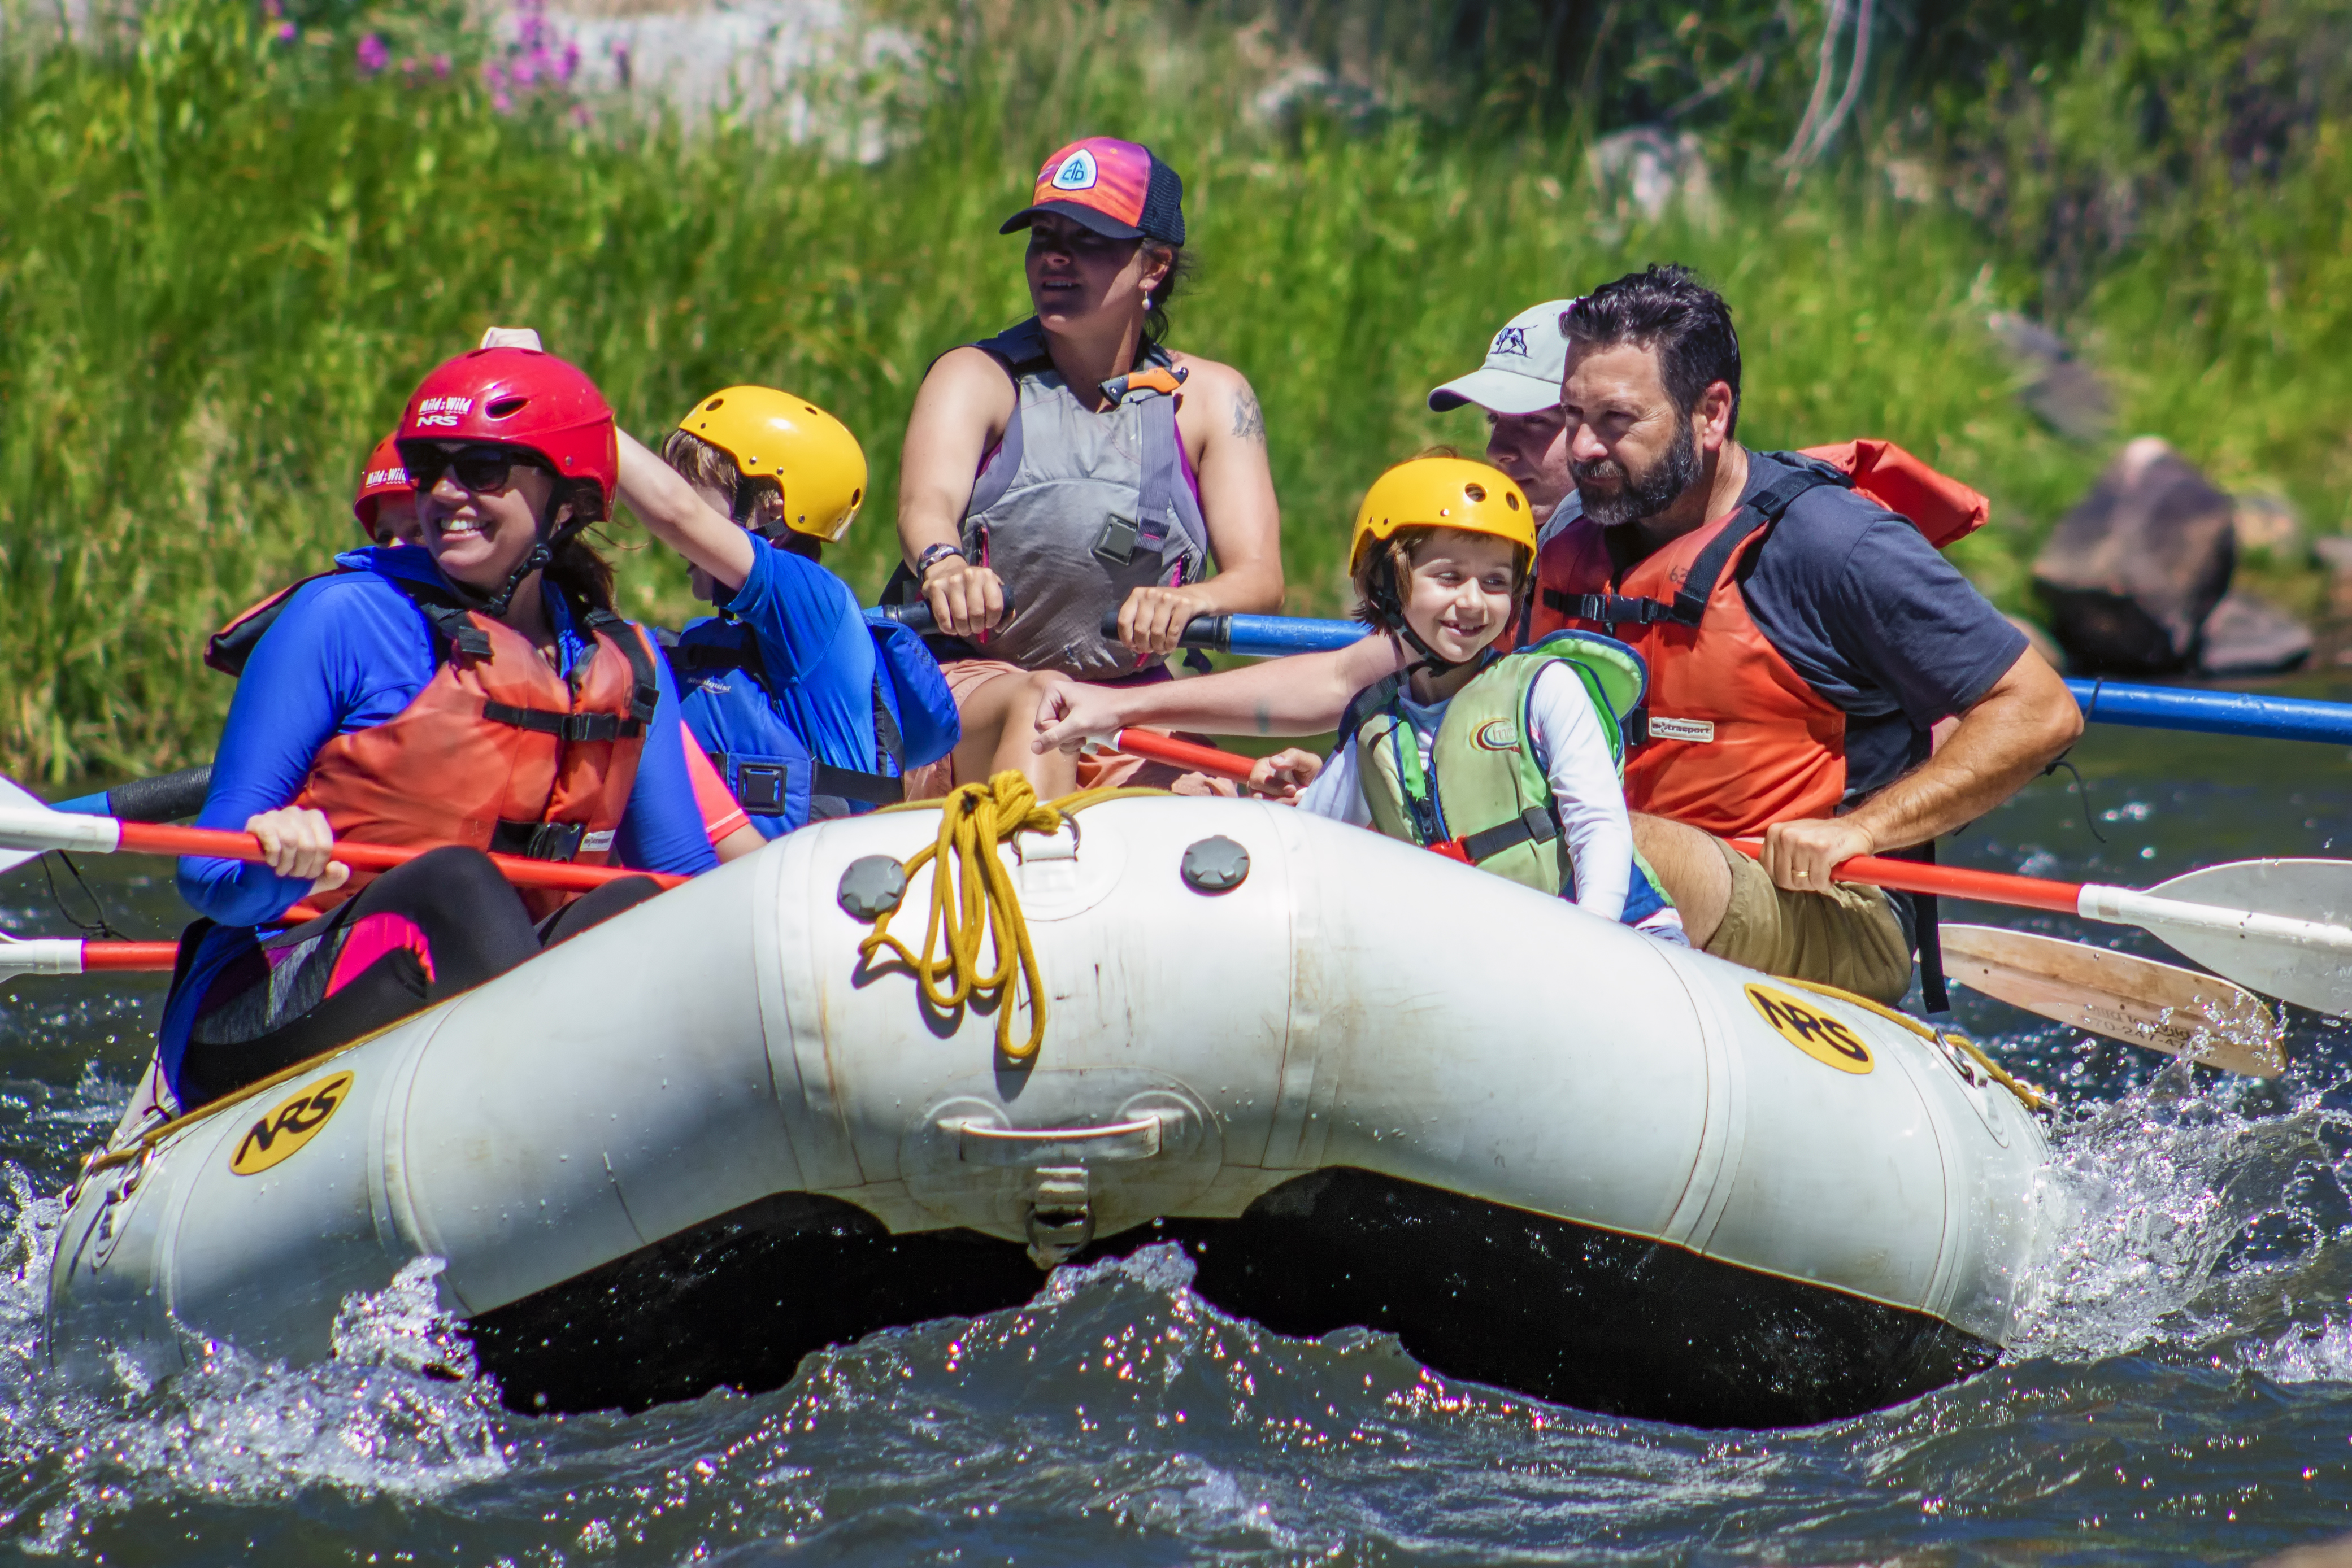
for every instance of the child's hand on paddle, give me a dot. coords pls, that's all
(1283, 775)
(298, 844)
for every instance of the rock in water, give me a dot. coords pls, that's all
(2132, 572)
(2251, 636)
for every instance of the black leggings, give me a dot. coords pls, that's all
(475, 927)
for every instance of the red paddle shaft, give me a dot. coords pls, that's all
(160, 839)
(102, 956)
(73, 956)
(1951, 882)
(1183, 753)
(1906, 876)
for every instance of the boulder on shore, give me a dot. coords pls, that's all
(2131, 574)
(2251, 636)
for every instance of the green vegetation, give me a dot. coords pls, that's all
(224, 258)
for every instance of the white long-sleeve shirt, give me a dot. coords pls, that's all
(1587, 793)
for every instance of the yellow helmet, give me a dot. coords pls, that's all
(1442, 493)
(774, 434)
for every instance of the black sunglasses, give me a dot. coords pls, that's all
(483, 468)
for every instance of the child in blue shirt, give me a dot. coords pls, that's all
(807, 708)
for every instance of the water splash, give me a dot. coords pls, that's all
(2184, 1194)
(396, 1411)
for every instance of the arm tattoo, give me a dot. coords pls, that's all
(1265, 716)
(1249, 419)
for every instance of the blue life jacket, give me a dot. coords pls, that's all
(775, 777)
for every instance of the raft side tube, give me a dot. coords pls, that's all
(1352, 1004)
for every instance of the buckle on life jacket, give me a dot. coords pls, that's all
(760, 787)
(568, 726)
(538, 841)
(1533, 825)
(1608, 609)
(1165, 380)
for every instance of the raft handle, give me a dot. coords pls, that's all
(978, 1142)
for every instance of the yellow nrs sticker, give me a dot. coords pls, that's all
(289, 1125)
(1811, 1031)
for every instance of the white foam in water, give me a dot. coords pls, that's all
(2319, 1352)
(1164, 1268)
(2160, 1183)
(397, 1410)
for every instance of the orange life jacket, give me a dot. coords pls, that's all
(497, 750)
(1737, 738)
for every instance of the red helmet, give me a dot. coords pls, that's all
(521, 397)
(383, 475)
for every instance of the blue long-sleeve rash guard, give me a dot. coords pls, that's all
(818, 653)
(351, 652)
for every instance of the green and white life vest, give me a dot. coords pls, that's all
(1486, 800)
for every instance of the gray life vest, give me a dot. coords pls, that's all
(1076, 509)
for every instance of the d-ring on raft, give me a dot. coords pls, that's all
(696, 1142)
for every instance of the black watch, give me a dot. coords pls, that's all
(932, 554)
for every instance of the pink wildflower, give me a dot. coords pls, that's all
(441, 66)
(373, 56)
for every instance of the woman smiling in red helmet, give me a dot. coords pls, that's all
(474, 696)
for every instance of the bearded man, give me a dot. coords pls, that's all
(1804, 644)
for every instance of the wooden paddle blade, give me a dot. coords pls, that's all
(2301, 889)
(2137, 1000)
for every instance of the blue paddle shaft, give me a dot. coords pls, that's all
(2214, 713)
(2148, 707)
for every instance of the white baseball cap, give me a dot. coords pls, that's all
(1523, 369)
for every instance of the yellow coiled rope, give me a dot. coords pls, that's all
(972, 897)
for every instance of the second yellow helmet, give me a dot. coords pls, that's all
(1442, 493)
(777, 435)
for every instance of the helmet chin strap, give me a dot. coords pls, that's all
(1389, 605)
(536, 558)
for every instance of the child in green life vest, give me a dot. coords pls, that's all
(1510, 762)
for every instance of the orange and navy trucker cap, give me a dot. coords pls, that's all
(1118, 189)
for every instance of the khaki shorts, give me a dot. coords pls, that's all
(1096, 769)
(1850, 938)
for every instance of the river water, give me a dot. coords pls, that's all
(2184, 1391)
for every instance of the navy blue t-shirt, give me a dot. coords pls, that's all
(1874, 619)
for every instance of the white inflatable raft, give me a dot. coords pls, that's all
(1364, 1085)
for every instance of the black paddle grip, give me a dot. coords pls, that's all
(915, 615)
(166, 798)
(1214, 632)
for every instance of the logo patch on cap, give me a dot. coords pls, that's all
(1077, 172)
(1510, 340)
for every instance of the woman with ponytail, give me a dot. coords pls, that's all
(477, 695)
